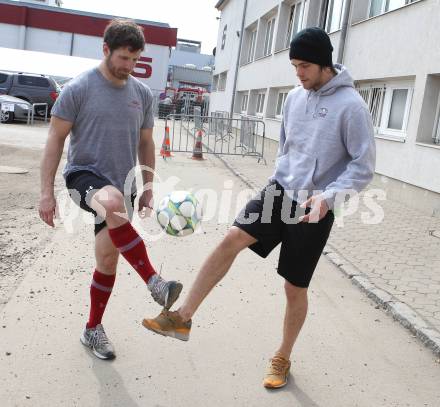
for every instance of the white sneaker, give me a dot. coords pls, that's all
(96, 339)
(164, 292)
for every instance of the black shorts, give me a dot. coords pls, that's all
(273, 220)
(86, 183)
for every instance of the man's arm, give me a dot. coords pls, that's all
(360, 145)
(146, 156)
(58, 131)
(359, 142)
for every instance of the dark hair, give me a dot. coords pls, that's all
(332, 68)
(124, 33)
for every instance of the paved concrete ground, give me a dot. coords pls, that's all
(397, 261)
(349, 353)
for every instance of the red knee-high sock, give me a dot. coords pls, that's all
(100, 290)
(132, 247)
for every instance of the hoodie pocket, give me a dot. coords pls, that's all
(295, 170)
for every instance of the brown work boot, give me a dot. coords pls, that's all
(277, 372)
(169, 323)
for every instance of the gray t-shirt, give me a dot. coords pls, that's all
(106, 124)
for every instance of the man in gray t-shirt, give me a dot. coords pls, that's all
(109, 117)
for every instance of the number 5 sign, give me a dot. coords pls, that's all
(143, 69)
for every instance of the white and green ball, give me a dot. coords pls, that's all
(179, 213)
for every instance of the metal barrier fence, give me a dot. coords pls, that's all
(219, 134)
(21, 111)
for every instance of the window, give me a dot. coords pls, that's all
(251, 49)
(214, 83)
(224, 36)
(295, 21)
(33, 81)
(374, 97)
(382, 6)
(222, 81)
(244, 103)
(268, 40)
(397, 109)
(280, 104)
(3, 78)
(335, 11)
(436, 135)
(389, 106)
(436, 132)
(260, 103)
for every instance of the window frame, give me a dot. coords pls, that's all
(225, 29)
(215, 79)
(269, 36)
(436, 128)
(387, 105)
(381, 128)
(290, 25)
(245, 97)
(221, 87)
(341, 16)
(261, 99)
(285, 92)
(384, 7)
(252, 45)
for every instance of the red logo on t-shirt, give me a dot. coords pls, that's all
(134, 103)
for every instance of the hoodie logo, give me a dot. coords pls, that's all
(322, 112)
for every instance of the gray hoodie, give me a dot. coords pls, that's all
(326, 141)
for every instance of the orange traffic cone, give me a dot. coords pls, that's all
(165, 151)
(197, 151)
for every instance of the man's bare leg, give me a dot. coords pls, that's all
(106, 253)
(294, 317)
(214, 269)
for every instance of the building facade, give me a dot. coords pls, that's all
(34, 27)
(189, 67)
(391, 49)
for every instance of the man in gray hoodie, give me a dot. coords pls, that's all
(326, 152)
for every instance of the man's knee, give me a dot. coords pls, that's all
(294, 293)
(237, 239)
(109, 200)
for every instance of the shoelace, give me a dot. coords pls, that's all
(277, 365)
(99, 337)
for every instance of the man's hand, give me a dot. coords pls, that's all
(47, 208)
(319, 209)
(146, 203)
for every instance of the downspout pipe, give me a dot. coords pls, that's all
(234, 87)
(344, 29)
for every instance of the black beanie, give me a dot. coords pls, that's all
(312, 45)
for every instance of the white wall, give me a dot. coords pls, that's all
(87, 46)
(225, 60)
(11, 36)
(402, 43)
(55, 42)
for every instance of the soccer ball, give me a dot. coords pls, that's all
(179, 213)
